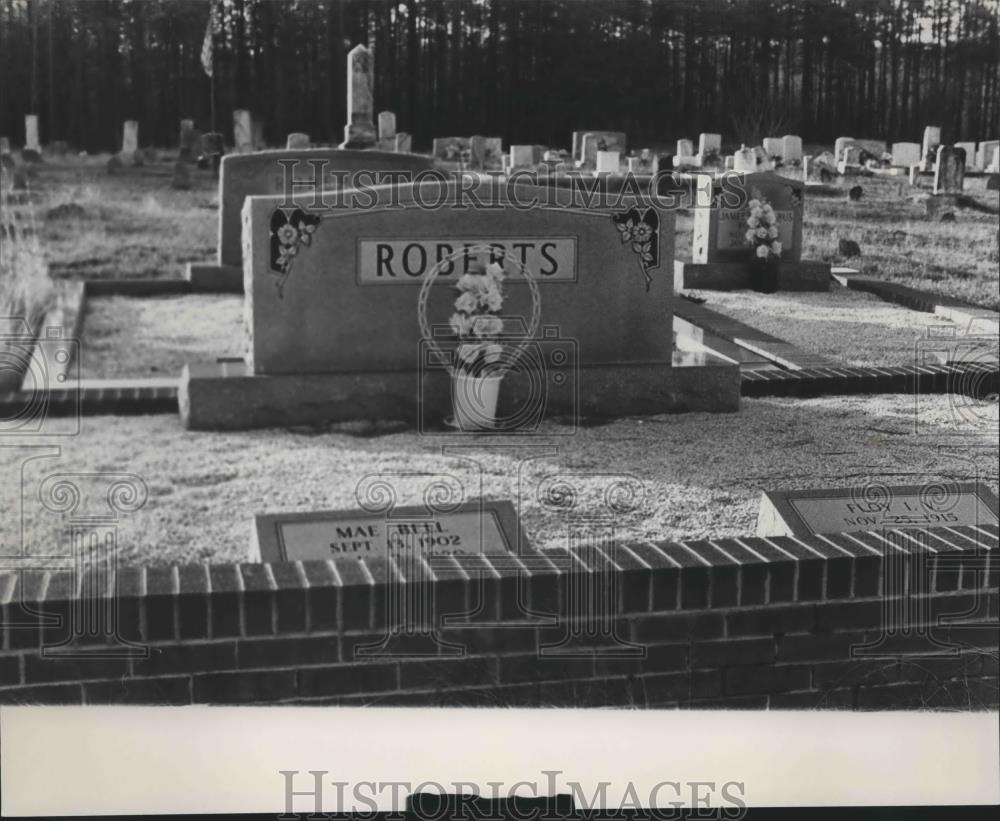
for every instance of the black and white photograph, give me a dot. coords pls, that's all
(492, 354)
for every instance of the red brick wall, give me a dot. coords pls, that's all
(733, 623)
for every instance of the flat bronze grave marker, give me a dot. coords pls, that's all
(472, 528)
(842, 510)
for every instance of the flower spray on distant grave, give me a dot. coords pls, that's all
(762, 230)
(476, 321)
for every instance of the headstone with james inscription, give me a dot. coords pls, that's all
(721, 255)
(319, 282)
(843, 510)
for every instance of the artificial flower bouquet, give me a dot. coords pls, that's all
(476, 321)
(762, 230)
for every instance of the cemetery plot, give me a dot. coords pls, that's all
(129, 337)
(849, 327)
(701, 474)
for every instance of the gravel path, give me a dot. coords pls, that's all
(143, 337)
(698, 475)
(852, 327)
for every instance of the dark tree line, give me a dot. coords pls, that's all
(525, 70)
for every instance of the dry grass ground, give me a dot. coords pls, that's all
(899, 243)
(129, 224)
(700, 474)
(157, 337)
(134, 225)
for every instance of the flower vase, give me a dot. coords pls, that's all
(474, 399)
(764, 275)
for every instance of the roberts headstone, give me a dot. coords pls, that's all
(319, 280)
(360, 129)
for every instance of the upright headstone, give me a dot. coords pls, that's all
(603, 141)
(730, 163)
(360, 129)
(588, 151)
(773, 148)
(949, 170)
(602, 311)
(685, 148)
(970, 154)
(31, 133)
(721, 257)
(242, 131)
(4, 145)
(838, 147)
(404, 142)
(297, 141)
(791, 149)
(493, 152)
(745, 159)
(522, 156)
(990, 150)
(188, 140)
(905, 155)
(477, 152)
(264, 174)
(709, 145)
(386, 125)
(257, 130)
(928, 150)
(181, 179)
(608, 162)
(130, 140)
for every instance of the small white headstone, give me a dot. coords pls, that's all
(522, 156)
(608, 162)
(360, 129)
(633, 164)
(709, 143)
(991, 156)
(905, 154)
(386, 125)
(791, 148)
(949, 170)
(932, 139)
(130, 139)
(745, 160)
(970, 154)
(31, 132)
(685, 148)
(773, 147)
(242, 131)
(297, 140)
(838, 147)
(404, 142)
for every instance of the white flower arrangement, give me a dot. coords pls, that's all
(480, 299)
(762, 229)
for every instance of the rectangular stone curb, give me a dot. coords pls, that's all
(904, 295)
(125, 397)
(137, 287)
(964, 379)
